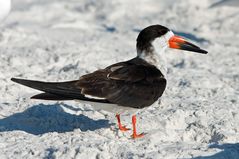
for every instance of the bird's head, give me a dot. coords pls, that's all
(158, 37)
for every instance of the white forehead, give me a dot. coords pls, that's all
(162, 42)
(168, 35)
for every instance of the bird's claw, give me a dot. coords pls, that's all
(135, 136)
(123, 128)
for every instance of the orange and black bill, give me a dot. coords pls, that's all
(177, 42)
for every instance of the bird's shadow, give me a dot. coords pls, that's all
(228, 151)
(40, 119)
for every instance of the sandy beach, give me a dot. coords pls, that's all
(60, 40)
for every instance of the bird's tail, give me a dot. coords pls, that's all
(57, 90)
(53, 90)
(49, 96)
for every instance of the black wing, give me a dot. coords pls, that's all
(133, 83)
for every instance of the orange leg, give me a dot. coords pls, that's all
(135, 135)
(122, 128)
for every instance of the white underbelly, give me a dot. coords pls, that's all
(113, 108)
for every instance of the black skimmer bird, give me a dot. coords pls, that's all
(129, 85)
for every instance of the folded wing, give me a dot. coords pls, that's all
(133, 83)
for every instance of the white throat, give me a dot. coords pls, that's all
(154, 55)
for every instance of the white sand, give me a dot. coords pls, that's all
(57, 40)
(5, 7)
